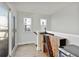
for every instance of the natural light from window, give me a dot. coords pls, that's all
(27, 23)
(3, 22)
(3, 27)
(43, 22)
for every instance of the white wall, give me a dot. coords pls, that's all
(28, 37)
(65, 23)
(66, 20)
(71, 38)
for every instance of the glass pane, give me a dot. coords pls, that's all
(3, 28)
(27, 21)
(3, 10)
(3, 21)
(2, 38)
(2, 34)
(43, 21)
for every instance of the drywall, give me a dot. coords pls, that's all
(71, 38)
(29, 37)
(65, 23)
(66, 20)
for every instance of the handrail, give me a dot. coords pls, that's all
(46, 33)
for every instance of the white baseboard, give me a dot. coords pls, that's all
(26, 43)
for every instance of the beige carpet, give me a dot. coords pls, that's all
(28, 51)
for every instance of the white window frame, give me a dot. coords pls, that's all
(27, 23)
(43, 23)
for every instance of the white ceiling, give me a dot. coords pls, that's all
(47, 8)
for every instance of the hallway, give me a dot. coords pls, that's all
(28, 50)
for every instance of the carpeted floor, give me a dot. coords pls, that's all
(28, 51)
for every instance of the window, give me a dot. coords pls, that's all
(27, 24)
(3, 27)
(3, 23)
(43, 23)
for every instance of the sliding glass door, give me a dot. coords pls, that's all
(3, 30)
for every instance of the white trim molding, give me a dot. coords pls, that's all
(22, 43)
(72, 38)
